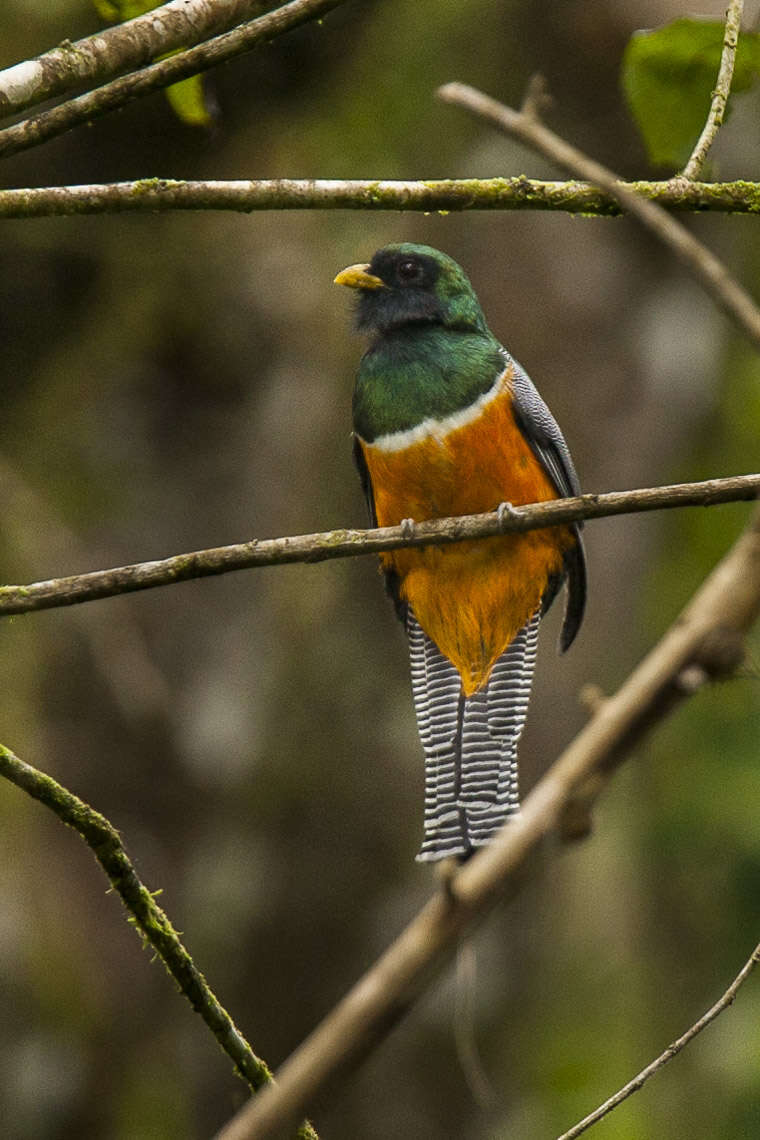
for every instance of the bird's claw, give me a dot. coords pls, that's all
(407, 528)
(504, 512)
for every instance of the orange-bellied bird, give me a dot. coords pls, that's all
(447, 423)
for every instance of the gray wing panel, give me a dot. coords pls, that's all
(542, 432)
(470, 744)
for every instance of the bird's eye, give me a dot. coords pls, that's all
(409, 272)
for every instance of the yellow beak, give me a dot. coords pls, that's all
(358, 277)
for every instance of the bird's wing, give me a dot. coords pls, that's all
(391, 578)
(548, 445)
(366, 482)
(470, 743)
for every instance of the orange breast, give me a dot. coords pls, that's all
(473, 597)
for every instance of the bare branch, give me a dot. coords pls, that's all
(728, 602)
(178, 24)
(446, 194)
(672, 1050)
(78, 588)
(709, 271)
(48, 124)
(720, 94)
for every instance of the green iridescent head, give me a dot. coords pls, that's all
(408, 284)
(431, 352)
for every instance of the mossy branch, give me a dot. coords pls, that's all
(92, 105)
(150, 921)
(78, 588)
(445, 195)
(114, 50)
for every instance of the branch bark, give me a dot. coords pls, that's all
(721, 92)
(726, 605)
(77, 588)
(711, 273)
(178, 24)
(48, 124)
(447, 194)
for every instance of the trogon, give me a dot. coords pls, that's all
(446, 422)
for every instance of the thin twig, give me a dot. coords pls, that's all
(150, 195)
(720, 94)
(711, 273)
(56, 592)
(112, 51)
(672, 1050)
(729, 600)
(48, 124)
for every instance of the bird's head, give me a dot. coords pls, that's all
(407, 284)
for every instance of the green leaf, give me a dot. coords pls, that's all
(107, 11)
(189, 101)
(117, 11)
(668, 78)
(187, 97)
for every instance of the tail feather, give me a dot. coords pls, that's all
(470, 743)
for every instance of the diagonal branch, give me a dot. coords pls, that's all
(445, 194)
(150, 920)
(709, 271)
(48, 124)
(672, 1051)
(725, 606)
(720, 94)
(178, 24)
(78, 588)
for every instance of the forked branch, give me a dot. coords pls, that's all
(722, 90)
(709, 271)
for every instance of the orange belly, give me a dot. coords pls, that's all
(471, 598)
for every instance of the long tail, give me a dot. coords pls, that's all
(470, 743)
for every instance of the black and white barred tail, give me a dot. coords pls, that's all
(470, 743)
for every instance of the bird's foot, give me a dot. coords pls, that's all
(407, 528)
(505, 512)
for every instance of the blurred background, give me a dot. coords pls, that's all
(183, 381)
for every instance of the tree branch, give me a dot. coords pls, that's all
(701, 263)
(726, 604)
(78, 588)
(48, 124)
(150, 920)
(447, 194)
(178, 24)
(721, 92)
(672, 1050)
